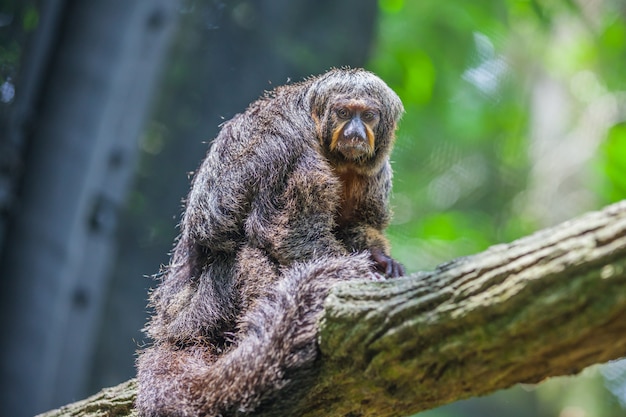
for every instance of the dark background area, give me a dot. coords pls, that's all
(515, 121)
(75, 153)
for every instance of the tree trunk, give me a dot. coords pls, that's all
(77, 166)
(546, 305)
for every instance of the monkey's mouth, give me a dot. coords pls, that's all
(354, 148)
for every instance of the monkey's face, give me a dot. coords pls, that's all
(355, 115)
(353, 125)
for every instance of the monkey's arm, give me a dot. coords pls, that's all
(363, 236)
(371, 217)
(298, 222)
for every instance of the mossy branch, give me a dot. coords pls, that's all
(549, 304)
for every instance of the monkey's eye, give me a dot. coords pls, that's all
(368, 115)
(343, 113)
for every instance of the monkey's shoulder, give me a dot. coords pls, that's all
(267, 133)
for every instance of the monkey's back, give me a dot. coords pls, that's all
(237, 198)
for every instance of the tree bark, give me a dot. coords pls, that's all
(116, 401)
(548, 304)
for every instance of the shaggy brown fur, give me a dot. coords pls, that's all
(292, 197)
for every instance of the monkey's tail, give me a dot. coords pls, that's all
(273, 357)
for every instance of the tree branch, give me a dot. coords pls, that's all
(116, 401)
(545, 305)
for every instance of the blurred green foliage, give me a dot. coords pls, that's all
(471, 148)
(459, 156)
(614, 153)
(465, 72)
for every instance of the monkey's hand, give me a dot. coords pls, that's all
(385, 264)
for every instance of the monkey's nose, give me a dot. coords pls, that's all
(355, 130)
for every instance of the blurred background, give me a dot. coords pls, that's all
(515, 120)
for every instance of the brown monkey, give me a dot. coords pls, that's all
(292, 196)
